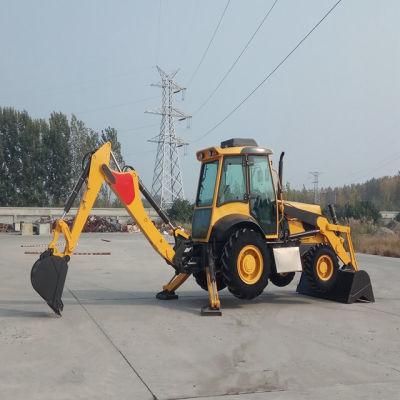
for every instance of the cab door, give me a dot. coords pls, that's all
(262, 193)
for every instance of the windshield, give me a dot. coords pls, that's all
(208, 177)
(233, 180)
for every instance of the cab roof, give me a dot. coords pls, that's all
(235, 146)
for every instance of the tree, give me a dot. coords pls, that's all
(40, 160)
(58, 159)
(3, 168)
(358, 210)
(110, 135)
(31, 184)
(11, 166)
(82, 141)
(181, 210)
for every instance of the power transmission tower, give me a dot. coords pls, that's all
(167, 183)
(316, 175)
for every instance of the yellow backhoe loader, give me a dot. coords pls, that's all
(243, 233)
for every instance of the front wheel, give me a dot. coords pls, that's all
(320, 266)
(246, 264)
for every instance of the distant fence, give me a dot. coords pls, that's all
(10, 215)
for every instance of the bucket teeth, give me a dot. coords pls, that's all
(48, 278)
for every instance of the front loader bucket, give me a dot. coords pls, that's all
(48, 278)
(351, 286)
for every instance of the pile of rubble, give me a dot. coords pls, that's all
(99, 224)
(6, 228)
(94, 223)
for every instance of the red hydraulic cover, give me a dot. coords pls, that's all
(124, 186)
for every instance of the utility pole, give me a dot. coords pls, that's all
(167, 183)
(316, 175)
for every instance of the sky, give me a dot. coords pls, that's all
(333, 106)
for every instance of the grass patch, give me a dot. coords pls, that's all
(368, 238)
(381, 245)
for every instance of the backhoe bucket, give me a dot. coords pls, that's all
(48, 278)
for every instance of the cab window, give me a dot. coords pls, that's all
(208, 177)
(262, 193)
(233, 181)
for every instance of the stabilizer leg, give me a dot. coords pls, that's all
(214, 303)
(168, 292)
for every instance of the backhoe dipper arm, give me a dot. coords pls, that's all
(91, 172)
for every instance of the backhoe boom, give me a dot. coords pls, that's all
(127, 187)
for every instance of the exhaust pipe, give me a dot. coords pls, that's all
(332, 211)
(280, 174)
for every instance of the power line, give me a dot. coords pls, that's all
(189, 23)
(138, 128)
(79, 86)
(116, 105)
(237, 59)
(139, 153)
(209, 43)
(270, 74)
(158, 33)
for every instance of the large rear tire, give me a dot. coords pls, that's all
(246, 264)
(320, 266)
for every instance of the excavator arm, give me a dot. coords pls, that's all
(49, 272)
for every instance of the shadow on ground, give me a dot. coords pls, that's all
(189, 302)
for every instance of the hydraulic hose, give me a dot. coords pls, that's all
(82, 177)
(147, 195)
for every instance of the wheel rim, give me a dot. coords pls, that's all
(325, 268)
(250, 264)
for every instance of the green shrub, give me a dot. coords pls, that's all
(181, 211)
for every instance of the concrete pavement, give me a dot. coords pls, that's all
(116, 341)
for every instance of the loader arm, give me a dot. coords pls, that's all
(338, 236)
(332, 233)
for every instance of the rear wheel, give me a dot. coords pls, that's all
(246, 264)
(201, 280)
(320, 266)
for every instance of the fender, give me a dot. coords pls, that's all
(225, 226)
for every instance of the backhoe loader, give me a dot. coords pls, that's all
(244, 234)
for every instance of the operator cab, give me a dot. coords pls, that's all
(236, 181)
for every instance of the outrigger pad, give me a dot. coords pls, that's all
(208, 311)
(48, 278)
(351, 286)
(165, 295)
